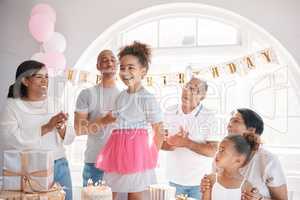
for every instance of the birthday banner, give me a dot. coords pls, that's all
(240, 66)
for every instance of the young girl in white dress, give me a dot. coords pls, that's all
(130, 155)
(233, 153)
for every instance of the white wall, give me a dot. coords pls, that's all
(82, 21)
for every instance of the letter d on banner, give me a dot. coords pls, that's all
(232, 67)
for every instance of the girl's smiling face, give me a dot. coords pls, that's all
(131, 71)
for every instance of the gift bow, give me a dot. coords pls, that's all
(26, 180)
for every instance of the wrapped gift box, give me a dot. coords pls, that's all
(55, 193)
(162, 192)
(28, 171)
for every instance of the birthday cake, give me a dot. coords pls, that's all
(96, 192)
(162, 192)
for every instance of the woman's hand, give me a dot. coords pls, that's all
(57, 121)
(205, 184)
(253, 194)
(62, 126)
(206, 187)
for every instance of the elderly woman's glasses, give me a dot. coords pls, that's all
(193, 90)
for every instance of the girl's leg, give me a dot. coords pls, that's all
(115, 195)
(135, 196)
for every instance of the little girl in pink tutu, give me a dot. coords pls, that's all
(130, 156)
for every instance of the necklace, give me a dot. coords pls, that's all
(36, 104)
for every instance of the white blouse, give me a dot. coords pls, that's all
(20, 127)
(264, 170)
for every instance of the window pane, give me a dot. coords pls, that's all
(177, 32)
(211, 32)
(146, 33)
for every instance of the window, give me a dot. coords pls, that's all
(147, 33)
(177, 31)
(211, 32)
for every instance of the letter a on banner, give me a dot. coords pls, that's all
(249, 62)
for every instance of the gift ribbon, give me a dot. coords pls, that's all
(26, 179)
(7, 194)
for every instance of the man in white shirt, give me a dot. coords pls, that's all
(188, 154)
(93, 114)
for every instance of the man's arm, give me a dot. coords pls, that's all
(167, 147)
(181, 140)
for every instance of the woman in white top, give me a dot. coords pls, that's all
(31, 120)
(264, 170)
(233, 153)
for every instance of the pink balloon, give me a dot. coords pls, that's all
(44, 9)
(41, 27)
(54, 60)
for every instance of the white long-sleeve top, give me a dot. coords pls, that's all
(20, 127)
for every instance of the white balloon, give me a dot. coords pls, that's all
(37, 56)
(188, 73)
(57, 43)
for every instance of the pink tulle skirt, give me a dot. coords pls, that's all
(128, 151)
